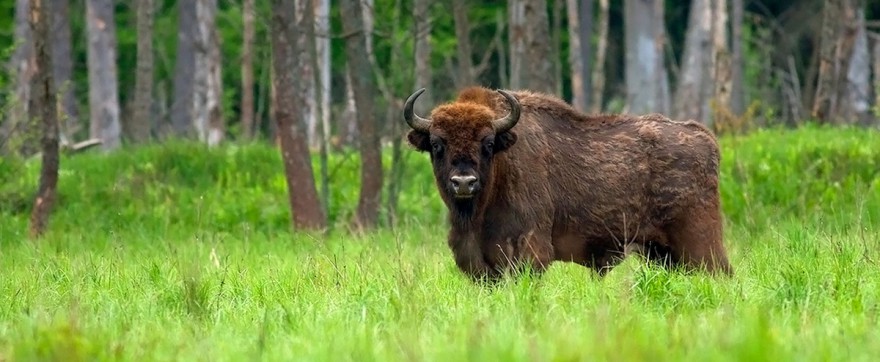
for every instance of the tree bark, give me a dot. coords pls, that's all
(205, 111)
(22, 68)
(143, 120)
(858, 84)
(305, 207)
(531, 65)
(44, 104)
(580, 24)
(247, 71)
(422, 30)
(836, 46)
(103, 87)
(184, 69)
(364, 89)
(720, 66)
(646, 77)
(695, 85)
(322, 48)
(465, 75)
(598, 77)
(62, 66)
(737, 90)
(307, 81)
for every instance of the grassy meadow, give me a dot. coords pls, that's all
(177, 252)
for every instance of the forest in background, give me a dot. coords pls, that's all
(132, 72)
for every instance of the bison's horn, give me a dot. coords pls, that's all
(507, 122)
(412, 119)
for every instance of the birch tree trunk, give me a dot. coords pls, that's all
(531, 66)
(646, 77)
(103, 91)
(143, 120)
(598, 78)
(363, 85)
(44, 104)
(205, 108)
(580, 25)
(62, 65)
(247, 71)
(304, 204)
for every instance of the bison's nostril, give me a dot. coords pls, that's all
(463, 181)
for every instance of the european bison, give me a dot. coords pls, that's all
(529, 180)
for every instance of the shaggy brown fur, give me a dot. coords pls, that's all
(562, 185)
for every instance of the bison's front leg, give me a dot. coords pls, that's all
(530, 250)
(469, 257)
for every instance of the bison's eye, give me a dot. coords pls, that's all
(489, 146)
(436, 147)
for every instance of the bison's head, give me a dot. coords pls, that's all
(462, 138)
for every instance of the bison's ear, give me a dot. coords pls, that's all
(421, 141)
(504, 140)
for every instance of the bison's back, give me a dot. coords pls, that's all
(620, 171)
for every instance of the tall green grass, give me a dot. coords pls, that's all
(178, 252)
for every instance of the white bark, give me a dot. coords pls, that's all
(207, 84)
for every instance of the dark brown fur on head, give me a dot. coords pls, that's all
(462, 142)
(563, 185)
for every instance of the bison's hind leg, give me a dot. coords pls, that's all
(695, 240)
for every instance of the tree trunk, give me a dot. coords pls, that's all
(737, 90)
(646, 76)
(247, 72)
(695, 84)
(103, 91)
(858, 87)
(836, 46)
(598, 77)
(305, 207)
(44, 104)
(349, 122)
(422, 25)
(205, 109)
(22, 68)
(875, 52)
(557, 7)
(364, 89)
(184, 69)
(720, 66)
(322, 47)
(580, 24)
(143, 120)
(62, 66)
(531, 58)
(464, 76)
(307, 85)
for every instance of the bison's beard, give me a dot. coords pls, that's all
(462, 211)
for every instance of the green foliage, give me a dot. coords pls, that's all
(179, 251)
(815, 174)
